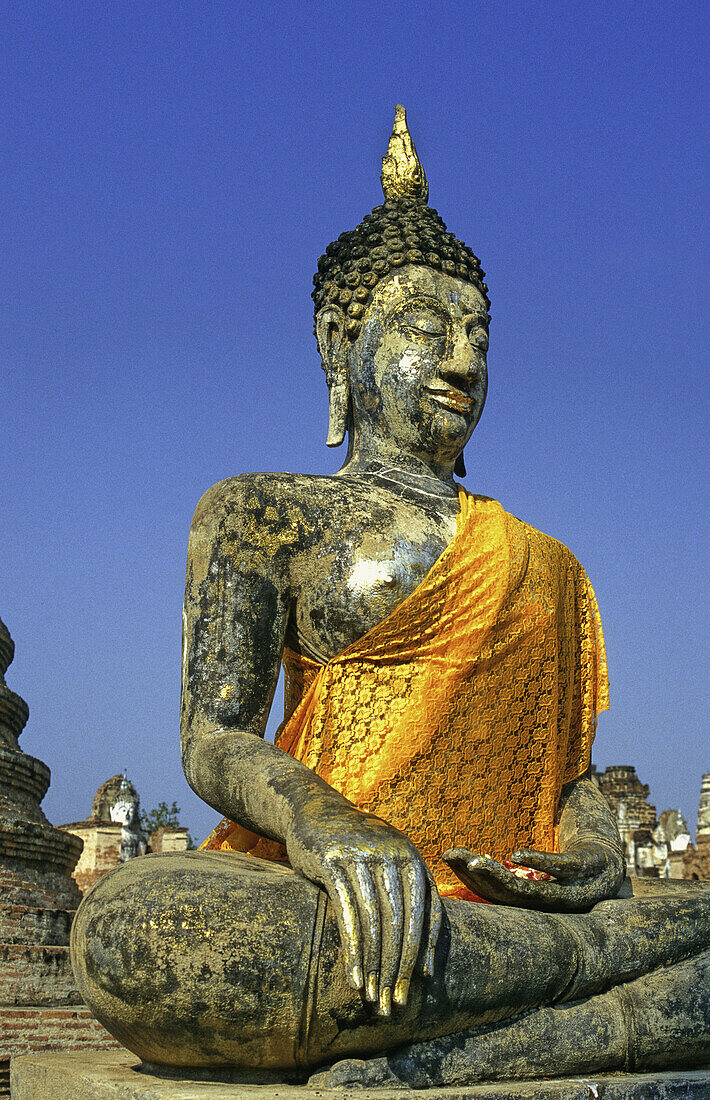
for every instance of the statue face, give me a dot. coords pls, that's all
(120, 812)
(418, 374)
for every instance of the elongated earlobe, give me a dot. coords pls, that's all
(460, 466)
(332, 345)
(338, 412)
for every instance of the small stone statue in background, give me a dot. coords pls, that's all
(133, 840)
(419, 875)
(117, 801)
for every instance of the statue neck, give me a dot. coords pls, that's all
(381, 461)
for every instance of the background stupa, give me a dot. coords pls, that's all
(40, 1007)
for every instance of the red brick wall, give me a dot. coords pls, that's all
(696, 861)
(19, 886)
(36, 974)
(101, 852)
(31, 924)
(24, 1030)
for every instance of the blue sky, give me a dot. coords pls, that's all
(170, 174)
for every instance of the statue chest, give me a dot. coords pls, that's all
(349, 587)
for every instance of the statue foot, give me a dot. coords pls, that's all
(360, 1073)
(659, 1021)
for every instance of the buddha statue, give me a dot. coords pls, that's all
(418, 883)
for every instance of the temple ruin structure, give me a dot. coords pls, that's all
(657, 846)
(40, 1007)
(696, 860)
(113, 834)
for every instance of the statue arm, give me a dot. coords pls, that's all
(237, 605)
(589, 867)
(234, 620)
(585, 817)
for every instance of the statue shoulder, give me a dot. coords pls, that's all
(541, 546)
(260, 510)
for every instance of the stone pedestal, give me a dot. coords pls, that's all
(121, 1077)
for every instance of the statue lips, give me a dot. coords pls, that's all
(452, 399)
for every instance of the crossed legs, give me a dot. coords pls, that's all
(217, 959)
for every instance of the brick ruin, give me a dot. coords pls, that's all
(111, 834)
(657, 846)
(696, 861)
(40, 1007)
(627, 795)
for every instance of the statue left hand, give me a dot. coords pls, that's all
(581, 876)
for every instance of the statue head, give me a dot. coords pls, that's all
(116, 801)
(398, 265)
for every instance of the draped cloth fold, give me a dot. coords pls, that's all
(461, 715)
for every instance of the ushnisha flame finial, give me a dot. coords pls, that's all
(402, 174)
(402, 231)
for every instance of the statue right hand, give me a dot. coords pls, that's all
(385, 900)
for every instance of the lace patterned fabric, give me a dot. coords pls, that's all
(459, 717)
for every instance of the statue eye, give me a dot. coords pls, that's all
(425, 323)
(478, 336)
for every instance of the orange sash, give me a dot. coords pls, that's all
(460, 716)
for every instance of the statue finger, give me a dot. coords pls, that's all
(389, 889)
(435, 915)
(344, 902)
(582, 897)
(559, 897)
(565, 867)
(413, 897)
(490, 883)
(461, 855)
(464, 861)
(596, 857)
(493, 882)
(370, 926)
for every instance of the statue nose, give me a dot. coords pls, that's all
(463, 363)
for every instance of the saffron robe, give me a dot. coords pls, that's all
(460, 716)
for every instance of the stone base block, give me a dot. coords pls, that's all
(120, 1076)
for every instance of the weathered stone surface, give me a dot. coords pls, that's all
(120, 1077)
(216, 958)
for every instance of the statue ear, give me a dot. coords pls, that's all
(460, 466)
(333, 346)
(330, 334)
